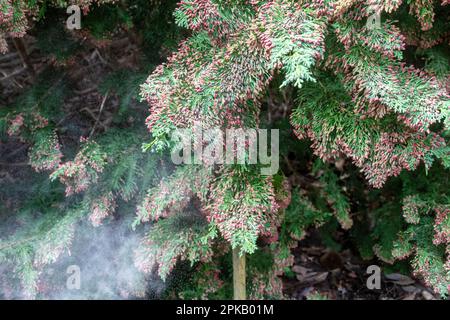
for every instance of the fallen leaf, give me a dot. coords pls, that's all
(411, 296)
(300, 269)
(399, 279)
(427, 296)
(410, 289)
(312, 277)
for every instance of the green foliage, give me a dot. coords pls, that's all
(373, 103)
(180, 237)
(301, 215)
(54, 39)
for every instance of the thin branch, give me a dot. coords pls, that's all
(100, 113)
(20, 46)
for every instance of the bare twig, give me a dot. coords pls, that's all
(15, 73)
(99, 113)
(14, 164)
(20, 46)
(16, 151)
(8, 56)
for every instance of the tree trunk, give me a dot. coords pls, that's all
(238, 275)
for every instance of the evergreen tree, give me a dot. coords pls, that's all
(356, 96)
(364, 82)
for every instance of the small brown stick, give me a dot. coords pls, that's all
(14, 164)
(20, 47)
(15, 73)
(8, 56)
(93, 116)
(84, 91)
(97, 53)
(269, 109)
(16, 151)
(99, 113)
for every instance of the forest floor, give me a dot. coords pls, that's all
(324, 274)
(318, 272)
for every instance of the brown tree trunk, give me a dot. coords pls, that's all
(239, 275)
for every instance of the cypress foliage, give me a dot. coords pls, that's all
(363, 82)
